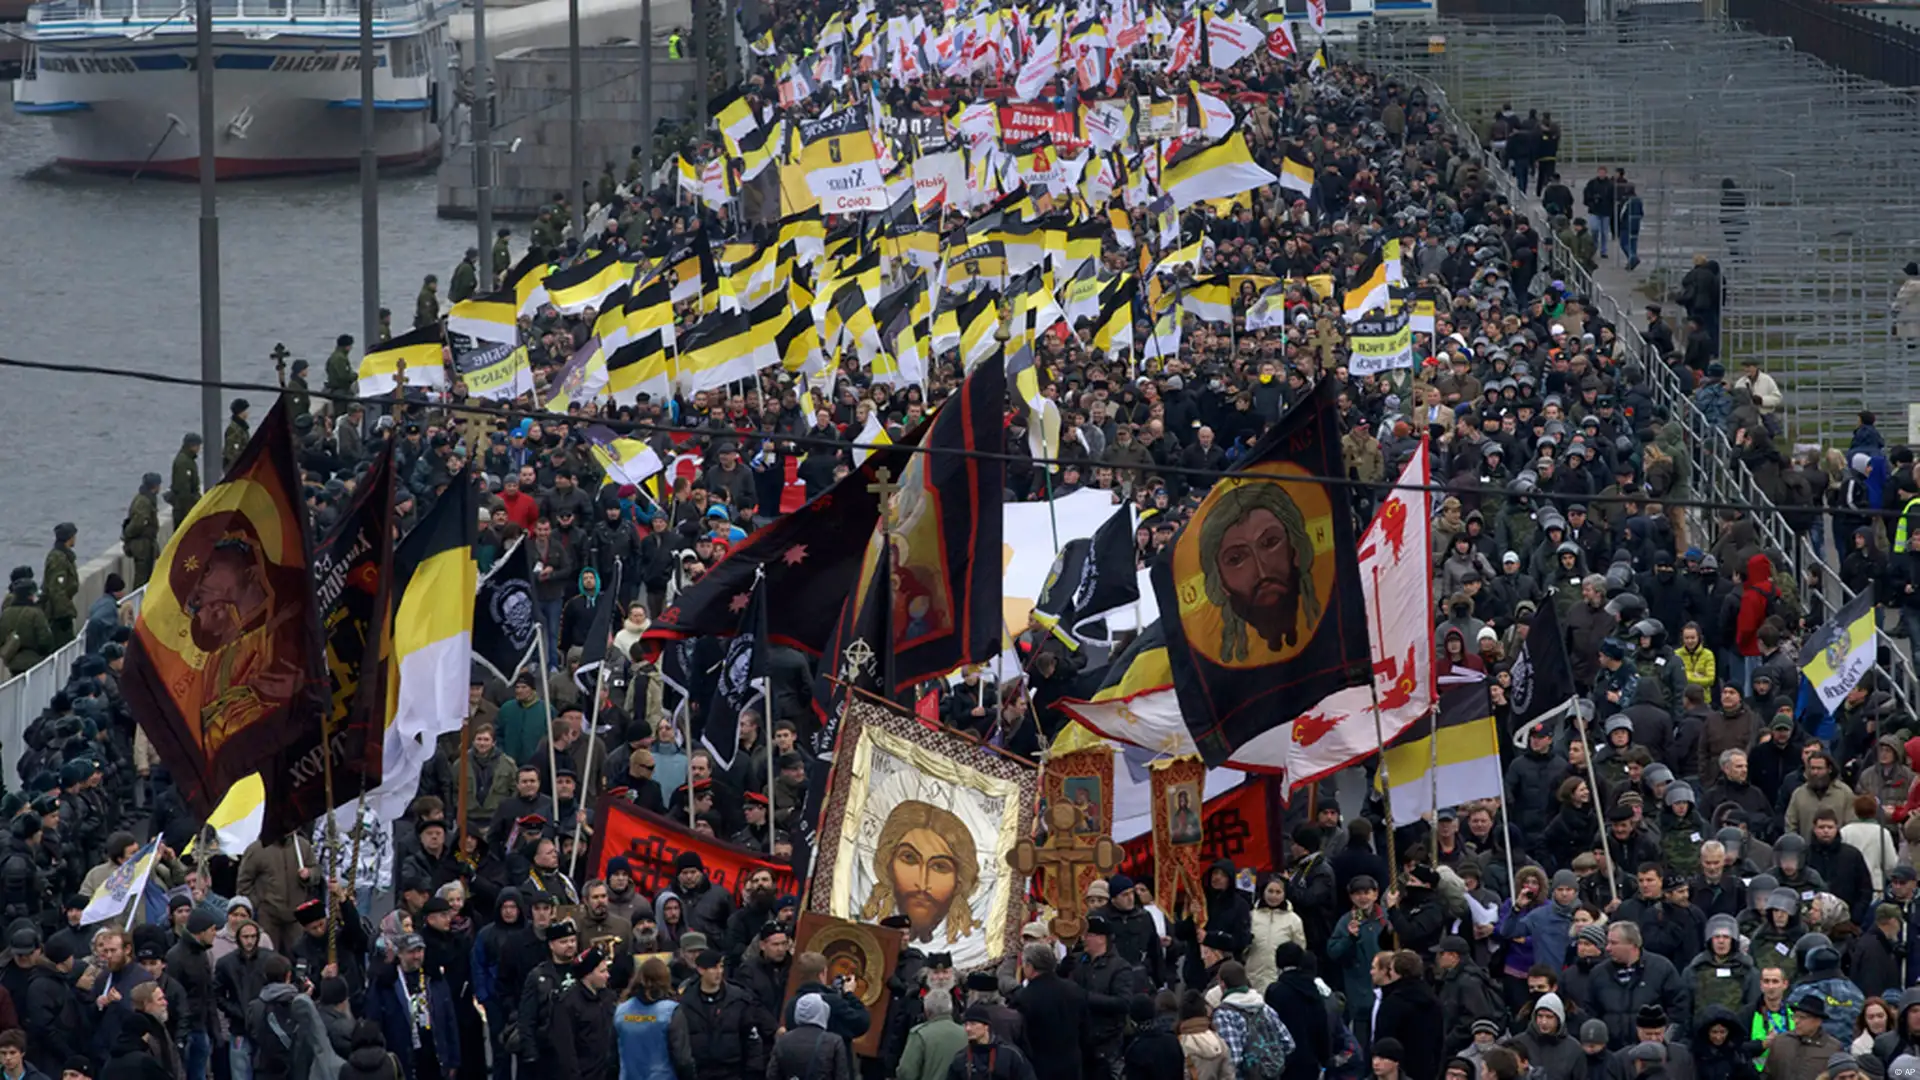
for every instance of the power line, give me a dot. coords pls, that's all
(642, 427)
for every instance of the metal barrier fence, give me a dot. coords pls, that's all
(25, 696)
(1851, 40)
(1717, 475)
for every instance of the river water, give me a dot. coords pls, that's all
(104, 271)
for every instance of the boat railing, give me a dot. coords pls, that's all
(48, 11)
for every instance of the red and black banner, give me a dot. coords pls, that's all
(651, 843)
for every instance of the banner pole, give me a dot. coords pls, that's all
(332, 835)
(1593, 789)
(1433, 779)
(1384, 780)
(546, 699)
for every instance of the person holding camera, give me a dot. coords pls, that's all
(846, 1017)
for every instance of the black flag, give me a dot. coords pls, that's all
(1542, 676)
(1260, 596)
(740, 682)
(1111, 577)
(504, 614)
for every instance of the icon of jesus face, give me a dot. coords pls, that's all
(925, 867)
(925, 875)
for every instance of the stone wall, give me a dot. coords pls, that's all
(532, 107)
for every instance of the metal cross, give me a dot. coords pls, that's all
(1062, 856)
(883, 484)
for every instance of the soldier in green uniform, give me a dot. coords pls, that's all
(340, 370)
(466, 277)
(62, 577)
(185, 491)
(426, 309)
(238, 432)
(386, 324)
(25, 636)
(299, 394)
(633, 169)
(502, 255)
(543, 231)
(140, 534)
(609, 185)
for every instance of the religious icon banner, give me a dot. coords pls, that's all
(1260, 597)
(1083, 780)
(917, 823)
(226, 666)
(1179, 835)
(863, 955)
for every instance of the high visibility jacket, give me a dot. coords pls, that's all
(674, 47)
(1900, 530)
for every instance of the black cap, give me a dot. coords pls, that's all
(78, 1063)
(150, 951)
(202, 921)
(435, 906)
(23, 941)
(709, 958)
(561, 930)
(977, 1014)
(982, 981)
(1098, 924)
(1453, 943)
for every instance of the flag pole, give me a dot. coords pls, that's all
(1433, 775)
(1593, 789)
(546, 699)
(584, 785)
(332, 836)
(1385, 781)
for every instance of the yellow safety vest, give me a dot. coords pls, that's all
(1900, 530)
(673, 47)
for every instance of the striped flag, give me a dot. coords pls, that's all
(1448, 757)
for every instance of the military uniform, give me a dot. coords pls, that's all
(186, 484)
(25, 637)
(299, 396)
(340, 372)
(61, 578)
(502, 257)
(140, 536)
(543, 234)
(426, 309)
(465, 280)
(238, 433)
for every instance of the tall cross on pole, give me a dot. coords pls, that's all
(1062, 857)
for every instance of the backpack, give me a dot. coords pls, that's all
(1263, 1054)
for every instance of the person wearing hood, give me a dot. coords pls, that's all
(576, 617)
(496, 997)
(1682, 829)
(1804, 1051)
(1274, 922)
(1720, 1051)
(1758, 599)
(1721, 975)
(1466, 993)
(1547, 927)
(1229, 920)
(1548, 1046)
(1295, 997)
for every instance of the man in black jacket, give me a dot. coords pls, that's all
(196, 1013)
(706, 908)
(714, 1034)
(1295, 999)
(807, 1050)
(1109, 983)
(1054, 1012)
(1408, 1012)
(1631, 978)
(986, 1057)
(847, 1017)
(1135, 937)
(763, 974)
(51, 1013)
(1229, 912)
(543, 988)
(583, 1021)
(350, 946)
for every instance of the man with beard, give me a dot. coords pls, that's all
(1258, 564)
(1110, 984)
(934, 977)
(763, 974)
(755, 911)
(925, 869)
(599, 927)
(1135, 938)
(1823, 790)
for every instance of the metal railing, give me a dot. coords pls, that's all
(25, 696)
(55, 11)
(1717, 475)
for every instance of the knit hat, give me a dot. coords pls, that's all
(688, 860)
(1656, 773)
(1652, 1052)
(1841, 1062)
(239, 902)
(1652, 1017)
(1592, 934)
(1488, 1026)
(977, 1014)
(201, 921)
(1594, 1031)
(1390, 1049)
(1565, 879)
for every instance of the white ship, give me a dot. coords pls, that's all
(117, 79)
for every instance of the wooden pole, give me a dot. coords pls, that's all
(1386, 784)
(463, 786)
(332, 834)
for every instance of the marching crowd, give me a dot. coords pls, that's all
(1720, 885)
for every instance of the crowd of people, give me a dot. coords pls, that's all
(1716, 883)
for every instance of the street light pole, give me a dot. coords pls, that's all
(576, 153)
(483, 144)
(369, 188)
(209, 250)
(646, 92)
